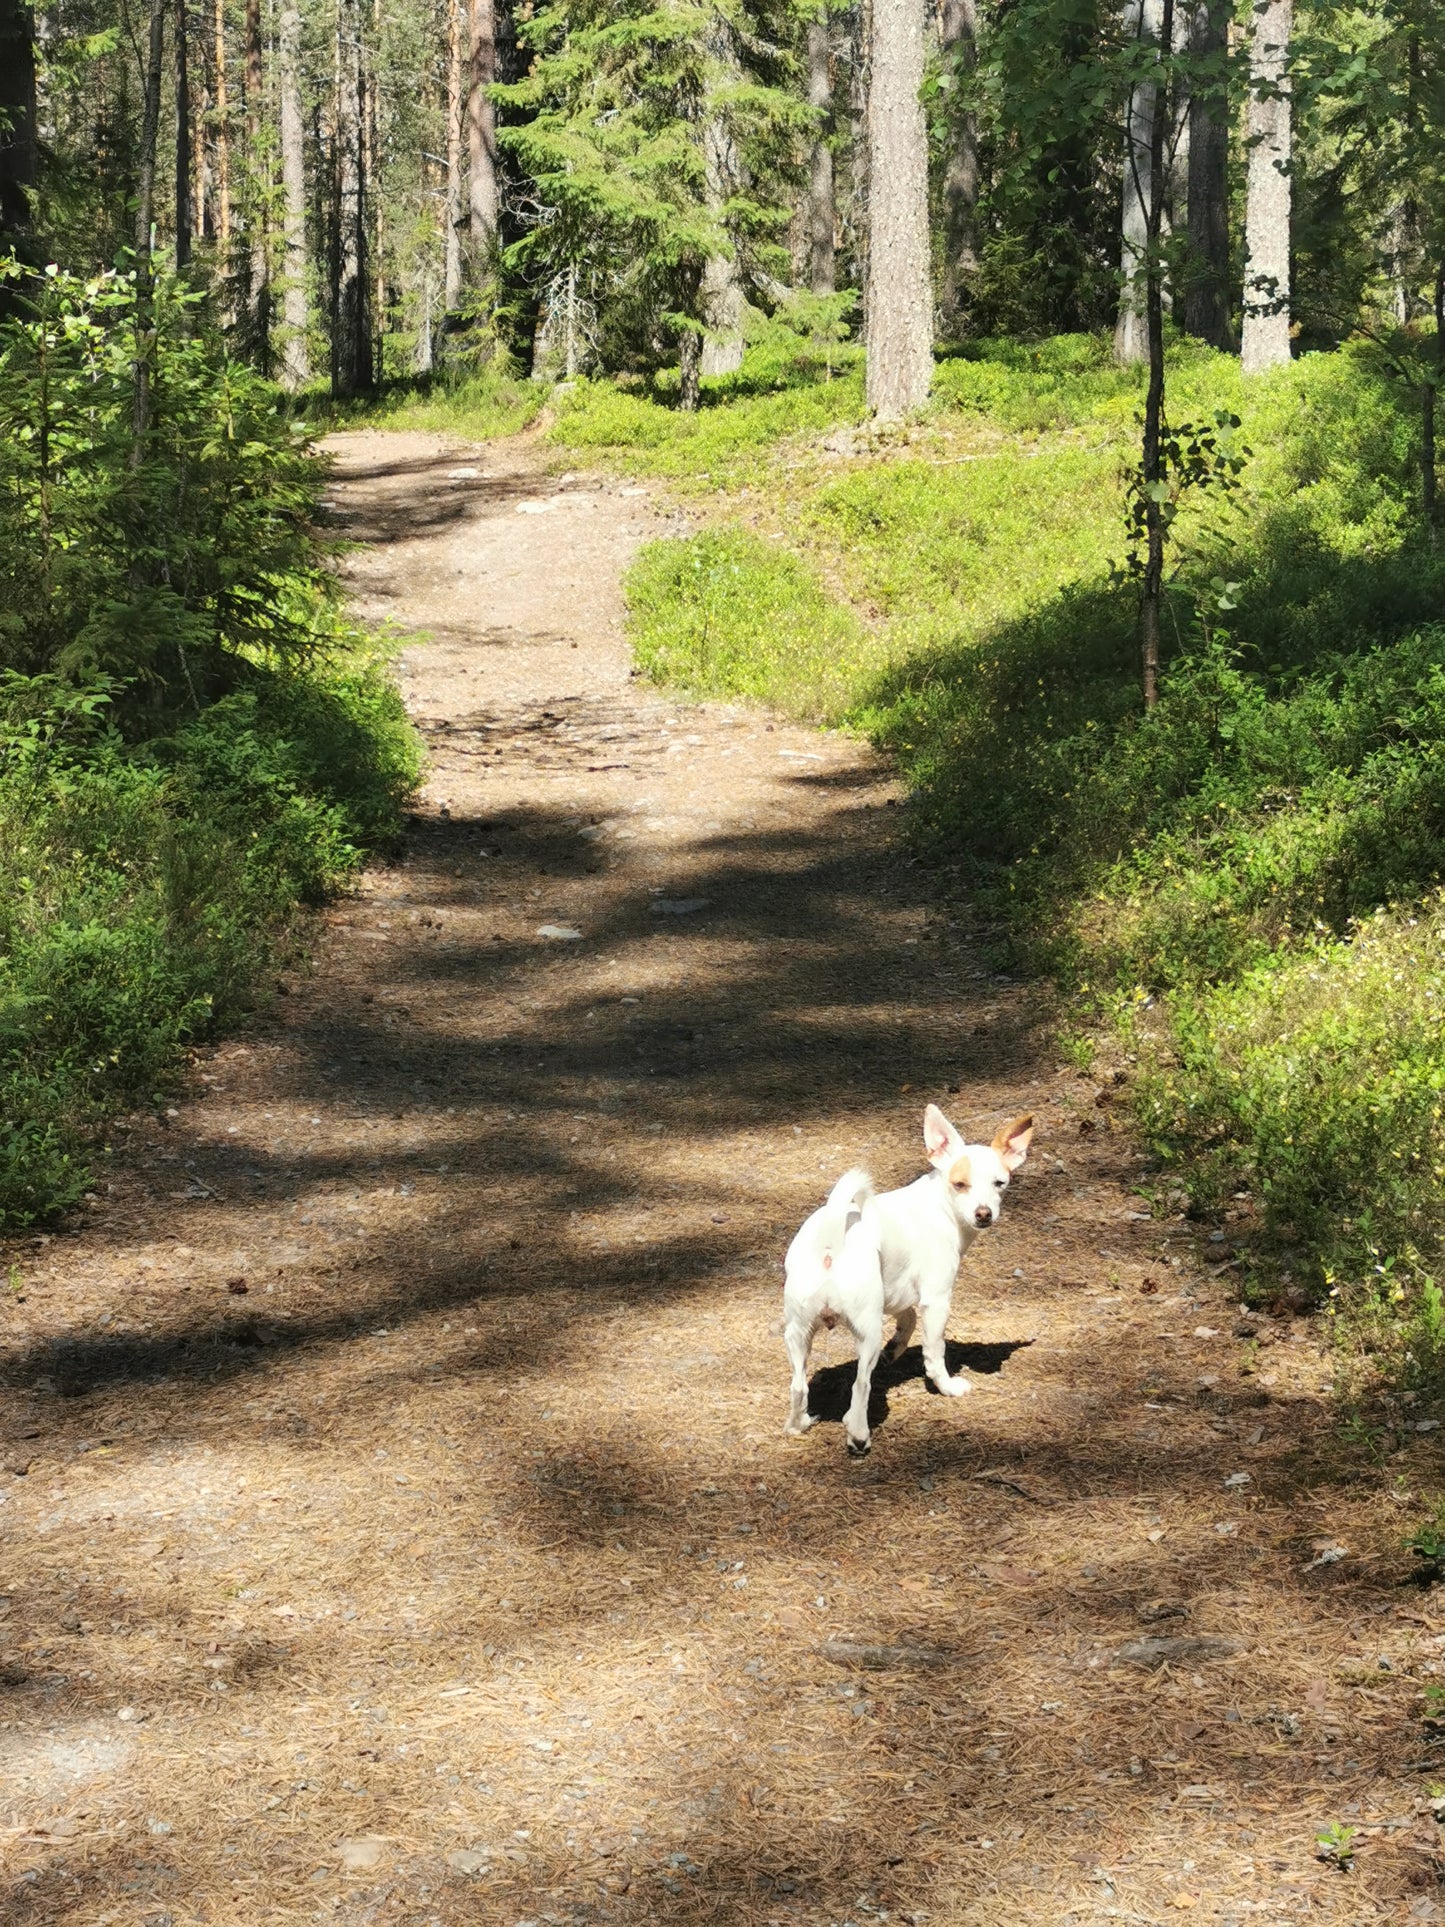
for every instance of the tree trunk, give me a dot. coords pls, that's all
(295, 315)
(453, 216)
(822, 214)
(258, 267)
(223, 140)
(350, 324)
(900, 293)
(960, 180)
(689, 368)
(144, 221)
(722, 291)
(1206, 291)
(1267, 210)
(17, 130)
(184, 212)
(482, 142)
(1151, 601)
(1142, 22)
(1431, 397)
(149, 133)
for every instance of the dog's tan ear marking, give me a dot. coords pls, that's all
(960, 1173)
(1012, 1142)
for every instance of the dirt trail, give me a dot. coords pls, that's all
(397, 1524)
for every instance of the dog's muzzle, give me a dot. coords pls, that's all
(983, 1216)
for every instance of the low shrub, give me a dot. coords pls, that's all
(145, 889)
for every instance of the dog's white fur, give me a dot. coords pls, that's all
(867, 1255)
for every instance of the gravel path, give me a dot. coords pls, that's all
(397, 1520)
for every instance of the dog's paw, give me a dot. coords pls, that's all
(954, 1387)
(796, 1431)
(859, 1448)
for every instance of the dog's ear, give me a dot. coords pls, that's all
(940, 1140)
(1012, 1142)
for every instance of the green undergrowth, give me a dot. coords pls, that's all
(1242, 882)
(146, 887)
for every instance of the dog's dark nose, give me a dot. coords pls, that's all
(983, 1216)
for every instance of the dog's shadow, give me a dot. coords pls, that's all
(830, 1390)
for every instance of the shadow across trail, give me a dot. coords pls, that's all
(830, 1389)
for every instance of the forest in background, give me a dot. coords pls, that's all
(1123, 320)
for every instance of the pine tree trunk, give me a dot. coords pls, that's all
(184, 212)
(900, 293)
(1206, 292)
(223, 140)
(1431, 399)
(17, 130)
(1265, 341)
(453, 284)
(960, 180)
(350, 325)
(722, 292)
(258, 269)
(1152, 274)
(295, 313)
(482, 189)
(144, 220)
(822, 214)
(1142, 25)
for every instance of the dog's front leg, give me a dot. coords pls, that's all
(935, 1318)
(870, 1344)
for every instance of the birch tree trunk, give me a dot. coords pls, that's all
(351, 326)
(822, 213)
(295, 309)
(1206, 290)
(960, 180)
(185, 213)
(1141, 24)
(258, 267)
(1265, 341)
(482, 142)
(900, 293)
(452, 287)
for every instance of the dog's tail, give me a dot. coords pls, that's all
(851, 1192)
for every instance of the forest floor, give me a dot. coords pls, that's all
(397, 1521)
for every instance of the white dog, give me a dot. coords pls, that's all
(865, 1255)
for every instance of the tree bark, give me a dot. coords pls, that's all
(149, 132)
(960, 180)
(1265, 341)
(258, 267)
(184, 211)
(351, 372)
(1206, 292)
(900, 293)
(144, 220)
(1152, 598)
(295, 309)
(1430, 398)
(482, 193)
(453, 217)
(1142, 24)
(822, 213)
(17, 103)
(223, 139)
(722, 291)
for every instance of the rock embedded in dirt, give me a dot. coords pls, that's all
(1170, 1652)
(878, 1658)
(1151, 1611)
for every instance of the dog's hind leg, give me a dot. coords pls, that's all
(870, 1344)
(902, 1332)
(799, 1341)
